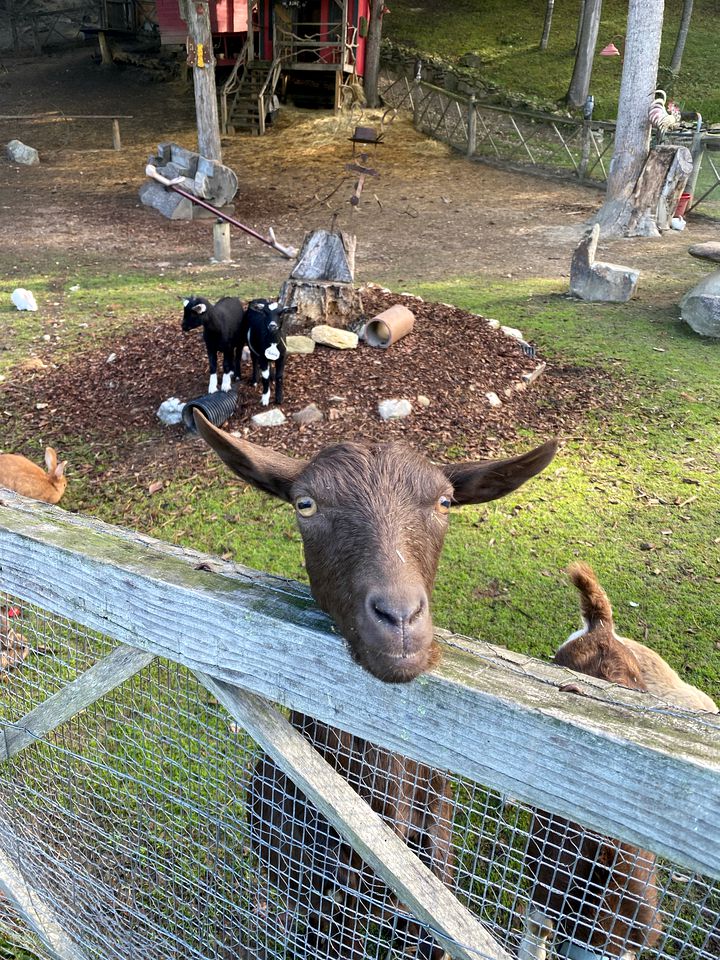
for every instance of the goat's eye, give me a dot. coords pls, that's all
(305, 506)
(443, 504)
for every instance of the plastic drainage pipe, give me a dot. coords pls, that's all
(217, 407)
(389, 326)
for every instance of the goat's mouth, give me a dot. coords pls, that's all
(397, 668)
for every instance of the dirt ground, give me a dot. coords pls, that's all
(430, 213)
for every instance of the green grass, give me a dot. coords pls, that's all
(508, 46)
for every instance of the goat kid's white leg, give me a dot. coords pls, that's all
(538, 928)
(212, 386)
(226, 382)
(266, 386)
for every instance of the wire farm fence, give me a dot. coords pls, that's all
(155, 804)
(531, 141)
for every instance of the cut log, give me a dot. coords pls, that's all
(658, 190)
(326, 256)
(334, 304)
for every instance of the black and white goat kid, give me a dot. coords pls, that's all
(223, 332)
(264, 336)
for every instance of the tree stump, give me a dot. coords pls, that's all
(658, 190)
(321, 284)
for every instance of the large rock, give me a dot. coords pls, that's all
(334, 337)
(19, 152)
(593, 280)
(299, 344)
(700, 308)
(706, 251)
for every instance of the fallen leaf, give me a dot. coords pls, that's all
(154, 487)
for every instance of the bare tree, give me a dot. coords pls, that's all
(681, 37)
(581, 17)
(582, 71)
(372, 52)
(632, 134)
(549, 7)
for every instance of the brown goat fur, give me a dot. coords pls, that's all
(28, 479)
(597, 891)
(373, 519)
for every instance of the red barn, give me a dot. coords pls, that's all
(318, 42)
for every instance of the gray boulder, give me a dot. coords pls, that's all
(700, 308)
(593, 280)
(19, 152)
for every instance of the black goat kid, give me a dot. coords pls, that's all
(263, 333)
(223, 332)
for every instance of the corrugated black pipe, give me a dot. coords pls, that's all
(217, 407)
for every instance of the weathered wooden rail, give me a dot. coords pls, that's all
(612, 760)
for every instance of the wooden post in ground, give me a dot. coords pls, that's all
(117, 142)
(221, 241)
(472, 127)
(200, 57)
(105, 52)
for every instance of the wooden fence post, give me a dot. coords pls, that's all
(472, 126)
(117, 142)
(585, 155)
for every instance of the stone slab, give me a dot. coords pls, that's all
(700, 307)
(706, 251)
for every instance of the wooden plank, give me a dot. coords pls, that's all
(453, 925)
(38, 915)
(616, 761)
(104, 676)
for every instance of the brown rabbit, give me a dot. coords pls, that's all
(25, 477)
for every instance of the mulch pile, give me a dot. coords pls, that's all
(452, 357)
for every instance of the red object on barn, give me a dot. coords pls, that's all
(306, 34)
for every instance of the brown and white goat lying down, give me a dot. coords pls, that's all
(372, 519)
(599, 893)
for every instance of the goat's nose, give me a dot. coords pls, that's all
(397, 611)
(273, 327)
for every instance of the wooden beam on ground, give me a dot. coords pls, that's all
(618, 761)
(427, 898)
(104, 676)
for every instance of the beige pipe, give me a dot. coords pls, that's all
(389, 326)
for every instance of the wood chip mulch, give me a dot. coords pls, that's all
(452, 357)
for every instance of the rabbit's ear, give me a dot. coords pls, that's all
(60, 470)
(50, 459)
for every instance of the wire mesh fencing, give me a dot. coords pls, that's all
(150, 825)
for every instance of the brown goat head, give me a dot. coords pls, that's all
(373, 519)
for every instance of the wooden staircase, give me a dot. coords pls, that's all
(244, 114)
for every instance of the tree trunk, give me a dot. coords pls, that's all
(372, 53)
(550, 6)
(206, 106)
(681, 37)
(580, 83)
(632, 134)
(578, 32)
(663, 179)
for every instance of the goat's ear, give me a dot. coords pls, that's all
(491, 479)
(199, 308)
(266, 469)
(50, 459)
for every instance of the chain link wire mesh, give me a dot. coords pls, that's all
(150, 827)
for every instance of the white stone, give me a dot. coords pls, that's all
(394, 409)
(513, 332)
(493, 323)
(334, 337)
(299, 344)
(19, 152)
(309, 414)
(493, 399)
(270, 418)
(423, 400)
(170, 411)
